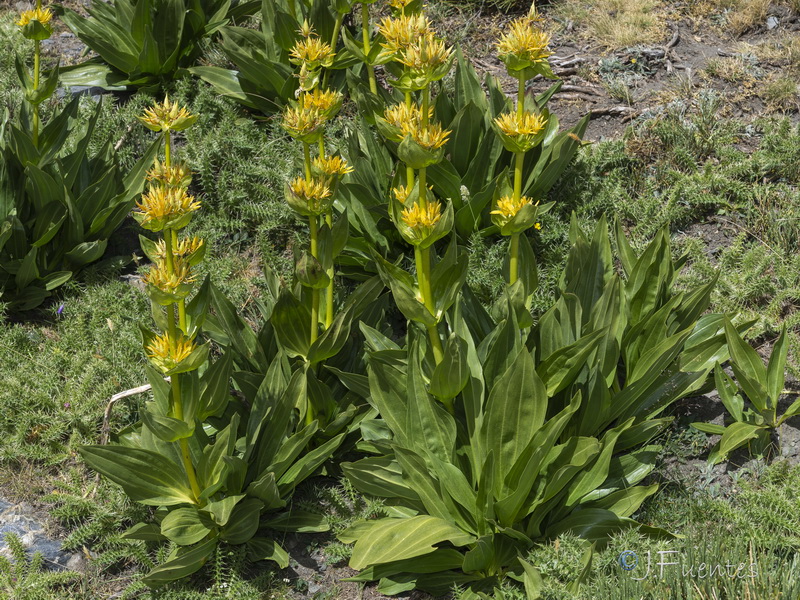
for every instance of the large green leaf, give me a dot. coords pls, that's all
(390, 540)
(146, 476)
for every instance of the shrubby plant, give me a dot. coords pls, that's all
(217, 467)
(755, 424)
(58, 204)
(144, 43)
(524, 431)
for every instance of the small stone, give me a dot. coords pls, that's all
(772, 22)
(29, 539)
(313, 588)
(77, 562)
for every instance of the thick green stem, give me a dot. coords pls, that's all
(426, 105)
(181, 302)
(337, 27)
(329, 289)
(307, 160)
(423, 188)
(513, 264)
(184, 443)
(314, 229)
(373, 84)
(518, 164)
(167, 148)
(521, 97)
(422, 257)
(37, 61)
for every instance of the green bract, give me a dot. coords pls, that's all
(549, 428)
(36, 30)
(416, 156)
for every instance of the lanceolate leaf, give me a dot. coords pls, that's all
(146, 476)
(397, 539)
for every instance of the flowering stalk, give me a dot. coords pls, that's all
(523, 49)
(373, 84)
(35, 25)
(422, 257)
(167, 208)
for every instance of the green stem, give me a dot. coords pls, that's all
(423, 188)
(426, 103)
(337, 27)
(37, 59)
(521, 97)
(184, 443)
(307, 160)
(182, 301)
(168, 148)
(170, 260)
(373, 84)
(518, 164)
(329, 289)
(422, 257)
(513, 265)
(314, 228)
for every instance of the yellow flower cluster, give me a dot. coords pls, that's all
(176, 281)
(426, 54)
(163, 204)
(184, 247)
(312, 52)
(515, 125)
(332, 166)
(167, 116)
(400, 4)
(43, 15)
(310, 197)
(525, 41)
(402, 32)
(178, 175)
(161, 351)
(422, 219)
(508, 206)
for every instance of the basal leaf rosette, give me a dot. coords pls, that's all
(420, 225)
(168, 284)
(524, 49)
(520, 133)
(423, 146)
(167, 117)
(35, 24)
(165, 208)
(172, 356)
(309, 198)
